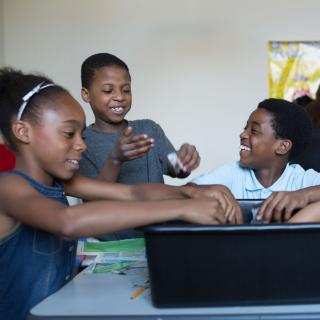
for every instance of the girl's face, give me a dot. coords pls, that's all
(257, 141)
(109, 96)
(56, 141)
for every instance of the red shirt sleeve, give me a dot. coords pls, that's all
(7, 158)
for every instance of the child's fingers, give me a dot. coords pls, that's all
(271, 208)
(233, 211)
(288, 213)
(280, 206)
(136, 141)
(193, 163)
(226, 205)
(188, 157)
(137, 147)
(136, 144)
(124, 136)
(231, 218)
(127, 138)
(127, 131)
(265, 211)
(132, 146)
(137, 153)
(186, 152)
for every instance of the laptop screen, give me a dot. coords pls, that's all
(250, 209)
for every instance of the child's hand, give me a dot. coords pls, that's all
(129, 147)
(222, 194)
(188, 159)
(280, 206)
(204, 211)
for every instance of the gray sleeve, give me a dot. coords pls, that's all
(99, 144)
(162, 144)
(88, 168)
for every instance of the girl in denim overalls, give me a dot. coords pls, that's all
(43, 125)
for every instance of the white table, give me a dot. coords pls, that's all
(107, 296)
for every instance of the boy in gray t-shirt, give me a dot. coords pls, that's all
(119, 150)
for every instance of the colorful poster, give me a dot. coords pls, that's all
(294, 69)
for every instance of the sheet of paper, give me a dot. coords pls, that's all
(113, 256)
(128, 245)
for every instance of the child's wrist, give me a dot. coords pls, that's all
(188, 190)
(311, 195)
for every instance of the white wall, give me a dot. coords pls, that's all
(199, 67)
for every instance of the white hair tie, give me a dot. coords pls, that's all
(28, 96)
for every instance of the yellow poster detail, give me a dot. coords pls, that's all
(294, 69)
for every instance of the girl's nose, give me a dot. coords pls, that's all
(80, 145)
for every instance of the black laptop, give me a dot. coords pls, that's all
(250, 209)
(233, 265)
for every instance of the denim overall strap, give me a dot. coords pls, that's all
(54, 192)
(34, 263)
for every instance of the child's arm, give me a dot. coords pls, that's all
(91, 189)
(280, 206)
(29, 207)
(127, 148)
(310, 214)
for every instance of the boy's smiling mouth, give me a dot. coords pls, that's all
(244, 148)
(117, 110)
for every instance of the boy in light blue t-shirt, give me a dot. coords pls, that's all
(275, 133)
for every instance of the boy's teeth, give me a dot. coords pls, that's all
(74, 161)
(245, 148)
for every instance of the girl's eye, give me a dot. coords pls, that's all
(68, 134)
(107, 91)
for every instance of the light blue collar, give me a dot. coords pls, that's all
(252, 183)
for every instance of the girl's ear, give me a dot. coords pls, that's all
(85, 95)
(21, 131)
(284, 147)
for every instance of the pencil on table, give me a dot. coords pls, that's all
(137, 293)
